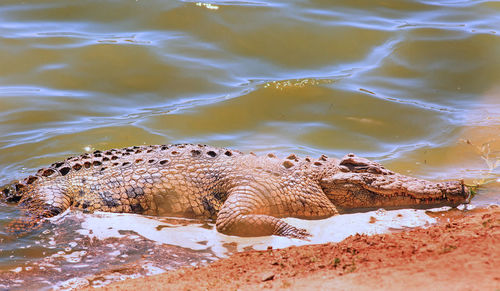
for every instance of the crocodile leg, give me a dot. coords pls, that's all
(248, 212)
(258, 225)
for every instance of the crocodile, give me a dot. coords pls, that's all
(244, 193)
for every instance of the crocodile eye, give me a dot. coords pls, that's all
(360, 165)
(374, 170)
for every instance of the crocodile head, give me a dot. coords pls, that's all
(357, 183)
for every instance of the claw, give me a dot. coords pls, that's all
(299, 233)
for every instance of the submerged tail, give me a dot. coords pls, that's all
(34, 210)
(25, 225)
(33, 215)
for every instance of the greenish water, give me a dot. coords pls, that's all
(403, 82)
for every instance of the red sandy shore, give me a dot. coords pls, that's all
(462, 252)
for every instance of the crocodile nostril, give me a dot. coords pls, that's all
(374, 170)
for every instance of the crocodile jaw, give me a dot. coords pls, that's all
(353, 191)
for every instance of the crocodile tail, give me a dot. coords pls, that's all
(12, 192)
(17, 189)
(33, 216)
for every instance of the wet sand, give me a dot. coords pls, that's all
(461, 252)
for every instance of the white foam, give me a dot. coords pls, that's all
(466, 207)
(71, 284)
(153, 270)
(334, 229)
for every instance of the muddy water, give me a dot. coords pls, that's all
(412, 84)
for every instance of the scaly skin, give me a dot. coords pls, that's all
(245, 194)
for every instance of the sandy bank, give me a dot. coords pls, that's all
(462, 252)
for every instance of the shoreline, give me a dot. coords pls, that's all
(462, 251)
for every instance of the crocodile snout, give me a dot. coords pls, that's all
(456, 192)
